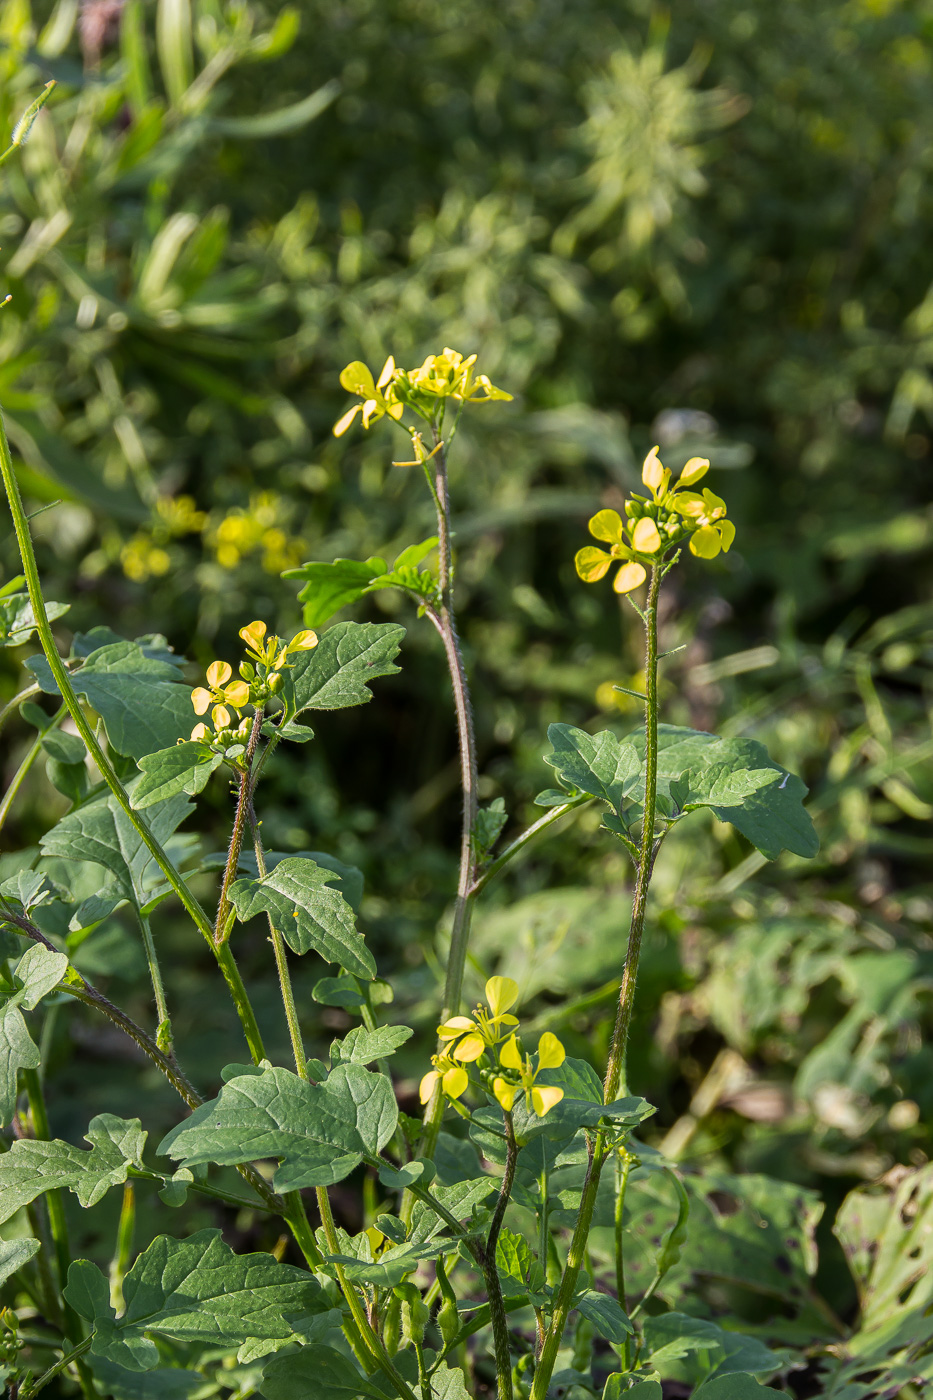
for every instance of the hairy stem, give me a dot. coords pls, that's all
(62, 1364)
(107, 770)
(615, 1071)
(244, 798)
(500, 1331)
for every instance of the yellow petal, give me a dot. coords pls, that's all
(510, 1055)
(705, 543)
(715, 505)
(426, 1088)
(253, 634)
(645, 537)
(504, 1092)
(629, 577)
(201, 700)
(591, 563)
(237, 694)
(726, 534)
(357, 379)
(388, 369)
(396, 410)
(652, 472)
(305, 641)
(696, 468)
(607, 525)
(217, 673)
(454, 1027)
(501, 993)
(221, 717)
(455, 1082)
(200, 731)
(371, 409)
(688, 504)
(469, 1049)
(550, 1051)
(342, 424)
(544, 1097)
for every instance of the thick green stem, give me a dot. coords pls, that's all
(500, 1330)
(615, 1071)
(107, 770)
(42, 1381)
(164, 1031)
(490, 871)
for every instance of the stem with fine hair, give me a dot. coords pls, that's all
(73, 1356)
(615, 1071)
(108, 772)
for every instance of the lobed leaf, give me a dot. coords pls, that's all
(600, 764)
(14, 1254)
(337, 672)
(298, 895)
(183, 768)
(32, 1166)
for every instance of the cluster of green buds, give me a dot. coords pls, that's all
(439, 378)
(487, 1041)
(260, 677)
(656, 524)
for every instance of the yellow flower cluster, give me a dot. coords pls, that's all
(656, 524)
(440, 377)
(486, 1039)
(256, 683)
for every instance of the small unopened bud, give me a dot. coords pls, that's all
(275, 682)
(247, 671)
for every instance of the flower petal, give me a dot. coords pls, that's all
(221, 717)
(501, 993)
(342, 424)
(544, 1097)
(305, 641)
(454, 1027)
(388, 369)
(607, 525)
(237, 694)
(693, 470)
(629, 577)
(200, 731)
(550, 1051)
(510, 1055)
(646, 537)
(469, 1049)
(253, 634)
(357, 379)
(591, 563)
(217, 673)
(504, 1092)
(455, 1082)
(426, 1088)
(201, 699)
(705, 543)
(652, 472)
(726, 534)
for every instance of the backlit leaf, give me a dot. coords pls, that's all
(308, 912)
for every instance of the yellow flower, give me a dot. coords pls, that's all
(539, 1098)
(253, 634)
(305, 641)
(452, 1077)
(221, 717)
(474, 1035)
(200, 731)
(655, 525)
(236, 693)
(450, 376)
(357, 379)
(201, 699)
(217, 673)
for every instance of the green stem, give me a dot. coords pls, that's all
(491, 870)
(624, 1166)
(62, 1364)
(107, 770)
(164, 1031)
(126, 1228)
(30, 693)
(244, 797)
(373, 1343)
(19, 776)
(615, 1071)
(500, 1330)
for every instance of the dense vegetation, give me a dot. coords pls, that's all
(707, 231)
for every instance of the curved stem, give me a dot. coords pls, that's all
(615, 1071)
(491, 870)
(107, 770)
(19, 776)
(62, 1364)
(30, 693)
(164, 1031)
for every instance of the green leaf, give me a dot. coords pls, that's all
(32, 1166)
(18, 621)
(67, 748)
(489, 823)
(317, 1373)
(605, 1314)
(282, 121)
(330, 587)
(641, 1390)
(138, 697)
(674, 1335)
(192, 1290)
(737, 1387)
(288, 729)
(183, 768)
(339, 991)
(337, 672)
(161, 1384)
(600, 764)
(39, 971)
(319, 1132)
(419, 1170)
(459, 1199)
(102, 832)
(770, 814)
(14, 1254)
(391, 1266)
(362, 1046)
(27, 887)
(307, 911)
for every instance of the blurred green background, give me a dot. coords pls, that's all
(709, 231)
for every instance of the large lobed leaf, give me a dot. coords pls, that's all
(32, 1167)
(337, 672)
(193, 1290)
(139, 698)
(309, 913)
(319, 1132)
(39, 971)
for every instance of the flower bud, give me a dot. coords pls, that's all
(275, 682)
(247, 671)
